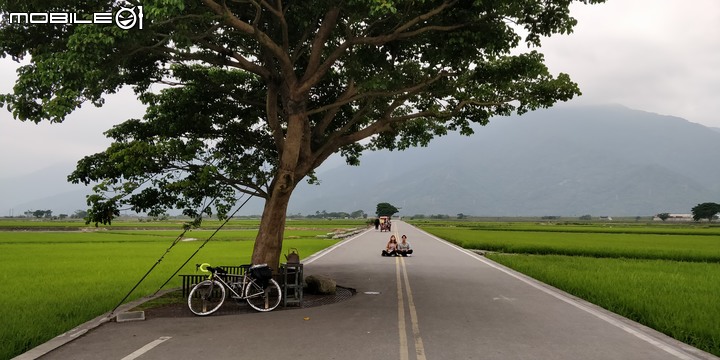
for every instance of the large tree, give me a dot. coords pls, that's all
(260, 92)
(708, 210)
(386, 209)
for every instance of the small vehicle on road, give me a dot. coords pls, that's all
(385, 223)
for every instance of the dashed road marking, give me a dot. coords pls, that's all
(139, 352)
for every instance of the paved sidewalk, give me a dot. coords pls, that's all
(441, 303)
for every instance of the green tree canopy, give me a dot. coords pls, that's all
(706, 210)
(259, 93)
(385, 209)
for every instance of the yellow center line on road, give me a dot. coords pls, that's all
(419, 348)
(401, 274)
(401, 314)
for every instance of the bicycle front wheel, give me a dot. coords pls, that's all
(263, 299)
(206, 297)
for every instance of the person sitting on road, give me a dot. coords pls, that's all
(403, 248)
(391, 247)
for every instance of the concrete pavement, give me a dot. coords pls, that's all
(441, 303)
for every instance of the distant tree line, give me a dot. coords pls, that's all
(39, 214)
(707, 210)
(436, 216)
(48, 214)
(358, 214)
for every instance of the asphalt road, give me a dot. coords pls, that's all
(441, 303)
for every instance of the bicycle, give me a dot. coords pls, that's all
(256, 287)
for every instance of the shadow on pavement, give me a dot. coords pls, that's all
(233, 307)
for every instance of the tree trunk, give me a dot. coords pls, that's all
(268, 244)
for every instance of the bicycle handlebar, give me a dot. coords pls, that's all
(203, 267)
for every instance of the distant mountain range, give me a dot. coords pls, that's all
(46, 189)
(569, 161)
(600, 160)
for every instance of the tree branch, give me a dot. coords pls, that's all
(273, 120)
(242, 62)
(300, 48)
(224, 179)
(279, 14)
(312, 78)
(229, 18)
(339, 138)
(384, 123)
(179, 56)
(343, 100)
(256, 190)
(380, 126)
(425, 17)
(263, 39)
(318, 46)
(332, 109)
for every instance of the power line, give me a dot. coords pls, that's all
(205, 242)
(175, 242)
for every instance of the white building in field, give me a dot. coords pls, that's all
(675, 217)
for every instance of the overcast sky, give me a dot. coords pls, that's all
(661, 56)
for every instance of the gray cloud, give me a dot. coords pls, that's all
(655, 55)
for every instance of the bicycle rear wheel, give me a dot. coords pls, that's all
(206, 297)
(263, 299)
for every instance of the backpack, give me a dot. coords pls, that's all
(261, 274)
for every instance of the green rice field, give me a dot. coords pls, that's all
(704, 246)
(62, 274)
(664, 276)
(56, 280)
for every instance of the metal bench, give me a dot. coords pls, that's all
(290, 278)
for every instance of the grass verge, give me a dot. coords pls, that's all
(676, 298)
(55, 281)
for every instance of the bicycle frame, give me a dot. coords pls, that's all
(212, 292)
(241, 286)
